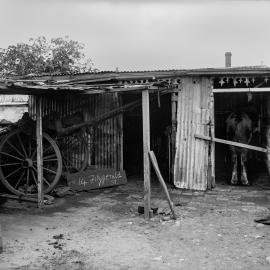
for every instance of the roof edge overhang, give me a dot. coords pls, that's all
(102, 82)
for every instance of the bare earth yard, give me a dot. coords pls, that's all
(102, 229)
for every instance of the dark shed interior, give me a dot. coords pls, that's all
(254, 105)
(160, 123)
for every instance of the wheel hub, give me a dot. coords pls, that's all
(27, 163)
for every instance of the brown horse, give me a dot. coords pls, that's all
(239, 129)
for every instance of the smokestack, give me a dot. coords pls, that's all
(228, 59)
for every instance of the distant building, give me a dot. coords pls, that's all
(12, 108)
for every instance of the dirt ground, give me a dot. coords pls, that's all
(102, 229)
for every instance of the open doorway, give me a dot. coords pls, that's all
(254, 106)
(160, 122)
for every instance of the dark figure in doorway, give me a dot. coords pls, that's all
(239, 129)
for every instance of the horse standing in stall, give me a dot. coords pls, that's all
(239, 129)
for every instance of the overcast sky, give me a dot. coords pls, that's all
(149, 34)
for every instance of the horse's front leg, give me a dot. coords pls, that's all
(244, 179)
(234, 178)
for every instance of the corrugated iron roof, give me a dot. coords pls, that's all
(104, 81)
(257, 68)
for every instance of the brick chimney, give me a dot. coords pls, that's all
(228, 59)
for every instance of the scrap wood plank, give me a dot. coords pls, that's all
(47, 198)
(242, 145)
(242, 90)
(97, 178)
(161, 180)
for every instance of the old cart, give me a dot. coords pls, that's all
(18, 156)
(65, 150)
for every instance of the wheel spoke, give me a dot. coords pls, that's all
(10, 164)
(14, 148)
(49, 170)
(34, 153)
(34, 177)
(22, 146)
(48, 183)
(67, 161)
(48, 160)
(50, 156)
(45, 150)
(20, 179)
(44, 179)
(46, 169)
(9, 155)
(65, 164)
(27, 177)
(13, 172)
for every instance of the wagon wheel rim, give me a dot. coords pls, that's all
(74, 151)
(18, 163)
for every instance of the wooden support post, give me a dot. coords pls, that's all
(146, 149)
(39, 152)
(162, 182)
(267, 131)
(172, 145)
(121, 117)
(211, 173)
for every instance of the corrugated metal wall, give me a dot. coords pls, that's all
(105, 143)
(191, 167)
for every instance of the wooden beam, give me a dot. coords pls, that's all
(211, 174)
(242, 145)
(162, 182)
(241, 90)
(39, 152)
(172, 136)
(146, 149)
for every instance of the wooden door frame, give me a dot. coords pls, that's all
(212, 139)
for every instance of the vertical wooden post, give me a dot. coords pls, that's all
(267, 103)
(39, 151)
(211, 182)
(174, 99)
(146, 149)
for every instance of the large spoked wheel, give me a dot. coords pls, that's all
(74, 151)
(18, 163)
